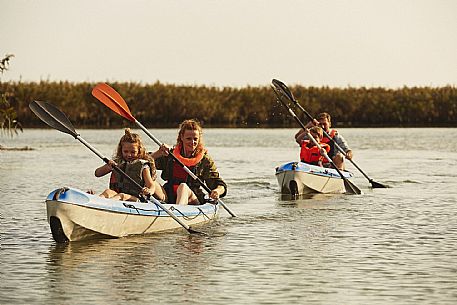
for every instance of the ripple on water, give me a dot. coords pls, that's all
(387, 246)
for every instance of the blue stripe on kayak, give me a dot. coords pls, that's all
(78, 197)
(312, 169)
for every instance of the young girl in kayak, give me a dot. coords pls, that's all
(309, 152)
(180, 187)
(324, 120)
(131, 157)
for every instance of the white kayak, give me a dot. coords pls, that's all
(75, 215)
(298, 178)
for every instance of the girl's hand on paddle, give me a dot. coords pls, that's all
(105, 168)
(111, 164)
(312, 123)
(323, 151)
(349, 154)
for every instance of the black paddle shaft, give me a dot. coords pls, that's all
(353, 189)
(291, 97)
(113, 100)
(55, 118)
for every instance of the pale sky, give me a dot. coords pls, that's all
(390, 43)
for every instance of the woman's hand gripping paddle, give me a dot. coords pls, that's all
(113, 100)
(349, 186)
(55, 118)
(290, 96)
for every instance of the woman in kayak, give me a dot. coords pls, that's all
(131, 158)
(180, 187)
(309, 152)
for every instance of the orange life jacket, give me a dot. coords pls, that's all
(310, 154)
(179, 174)
(326, 140)
(332, 133)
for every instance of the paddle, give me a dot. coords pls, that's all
(291, 97)
(350, 187)
(113, 100)
(55, 118)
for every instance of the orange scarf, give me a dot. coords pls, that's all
(189, 162)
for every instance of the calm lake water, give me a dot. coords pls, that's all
(387, 246)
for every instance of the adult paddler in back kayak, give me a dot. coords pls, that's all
(325, 122)
(180, 188)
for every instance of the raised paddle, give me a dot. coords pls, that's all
(291, 97)
(113, 100)
(349, 186)
(55, 118)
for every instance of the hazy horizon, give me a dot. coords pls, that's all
(233, 43)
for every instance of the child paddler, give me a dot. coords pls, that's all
(324, 120)
(131, 157)
(309, 152)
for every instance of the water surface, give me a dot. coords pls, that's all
(387, 246)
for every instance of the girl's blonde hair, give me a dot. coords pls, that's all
(134, 138)
(191, 124)
(318, 131)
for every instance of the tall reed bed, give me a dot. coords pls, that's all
(165, 105)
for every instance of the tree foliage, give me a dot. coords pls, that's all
(9, 124)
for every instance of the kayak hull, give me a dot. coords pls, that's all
(299, 178)
(74, 215)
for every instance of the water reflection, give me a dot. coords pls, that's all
(132, 268)
(309, 198)
(388, 246)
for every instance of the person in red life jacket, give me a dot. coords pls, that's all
(131, 158)
(309, 152)
(180, 187)
(324, 120)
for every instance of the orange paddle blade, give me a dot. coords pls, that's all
(113, 100)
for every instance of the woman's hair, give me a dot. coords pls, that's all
(191, 124)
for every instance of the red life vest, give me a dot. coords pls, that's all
(332, 133)
(326, 140)
(179, 174)
(311, 154)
